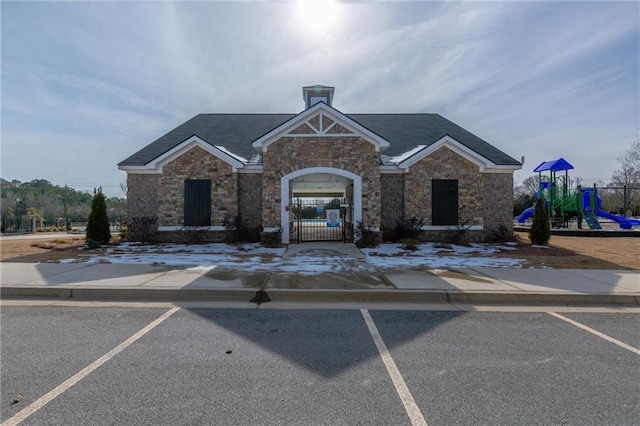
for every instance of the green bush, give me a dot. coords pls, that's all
(365, 236)
(98, 222)
(234, 229)
(540, 232)
(409, 228)
(272, 239)
(409, 244)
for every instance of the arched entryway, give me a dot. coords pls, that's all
(325, 185)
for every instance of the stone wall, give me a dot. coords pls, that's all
(289, 154)
(142, 195)
(250, 203)
(196, 164)
(391, 203)
(142, 205)
(498, 202)
(445, 164)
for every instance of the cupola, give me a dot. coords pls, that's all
(318, 93)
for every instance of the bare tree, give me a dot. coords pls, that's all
(529, 187)
(629, 175)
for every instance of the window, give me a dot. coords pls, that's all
(444, 201)
(197, 202)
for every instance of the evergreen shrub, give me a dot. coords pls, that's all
(98, 223)
(540, 232)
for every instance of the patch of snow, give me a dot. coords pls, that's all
(67, 260)
(539, 246)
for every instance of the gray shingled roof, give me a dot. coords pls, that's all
(236, 132)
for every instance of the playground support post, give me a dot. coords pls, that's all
(579, 201)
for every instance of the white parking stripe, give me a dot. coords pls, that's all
(44, 400)
(415, 415)
(597, 333)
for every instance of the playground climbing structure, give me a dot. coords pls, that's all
(563, 204)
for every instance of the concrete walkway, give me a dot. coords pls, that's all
(354, 281)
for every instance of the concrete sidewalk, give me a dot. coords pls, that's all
(96, 281)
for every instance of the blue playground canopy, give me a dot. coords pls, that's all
(554, 165)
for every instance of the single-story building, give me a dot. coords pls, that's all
(272, 170)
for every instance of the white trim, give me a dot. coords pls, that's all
(250, 169)
(390, 170)
(333, 114)
(271, 229)
(502, 169)
(220, 152)
(284, 194)
(451, 227)
(455, 146)
(139, 170)
(178, 228)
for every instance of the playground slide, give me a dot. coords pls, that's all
(624, 222)
(526, 214)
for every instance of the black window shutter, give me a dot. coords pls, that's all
(197, 202)
(444, 201)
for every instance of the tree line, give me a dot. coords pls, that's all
(49, 203)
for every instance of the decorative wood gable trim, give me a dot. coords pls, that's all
(320, 120)
(319, 125)
(155, 166)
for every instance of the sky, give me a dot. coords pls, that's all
(87, 84)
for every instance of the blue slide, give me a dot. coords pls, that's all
(526, 214)
(625, 223)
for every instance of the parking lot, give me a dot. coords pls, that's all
(134, 364)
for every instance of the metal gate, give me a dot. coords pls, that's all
(323, 219)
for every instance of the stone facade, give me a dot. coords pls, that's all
(498, 202)
(142, 195)
(445, 164)
(391, 203)
(196, 164)
(250, 201)
(289, 154)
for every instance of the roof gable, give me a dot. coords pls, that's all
(318, 121)
(417, 154)
(236, 162)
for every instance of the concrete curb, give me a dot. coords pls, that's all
(290, 295)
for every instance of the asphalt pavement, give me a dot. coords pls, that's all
(80, 365)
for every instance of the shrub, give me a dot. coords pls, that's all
(123, 231)
(502, 234)
(98, 223)
(409, 244)
(272, 239)
(233, 227)
(456, 235)
(365, 236)
(409, 228)
(540, 232)
(193, 234)
(92, 244)
(141, 228)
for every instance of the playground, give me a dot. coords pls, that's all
(567, 207)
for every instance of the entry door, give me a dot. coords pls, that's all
(444, 201)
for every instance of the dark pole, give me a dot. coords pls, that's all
(16, 214)
(624, 201)
(66, 210)
(579, 206)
